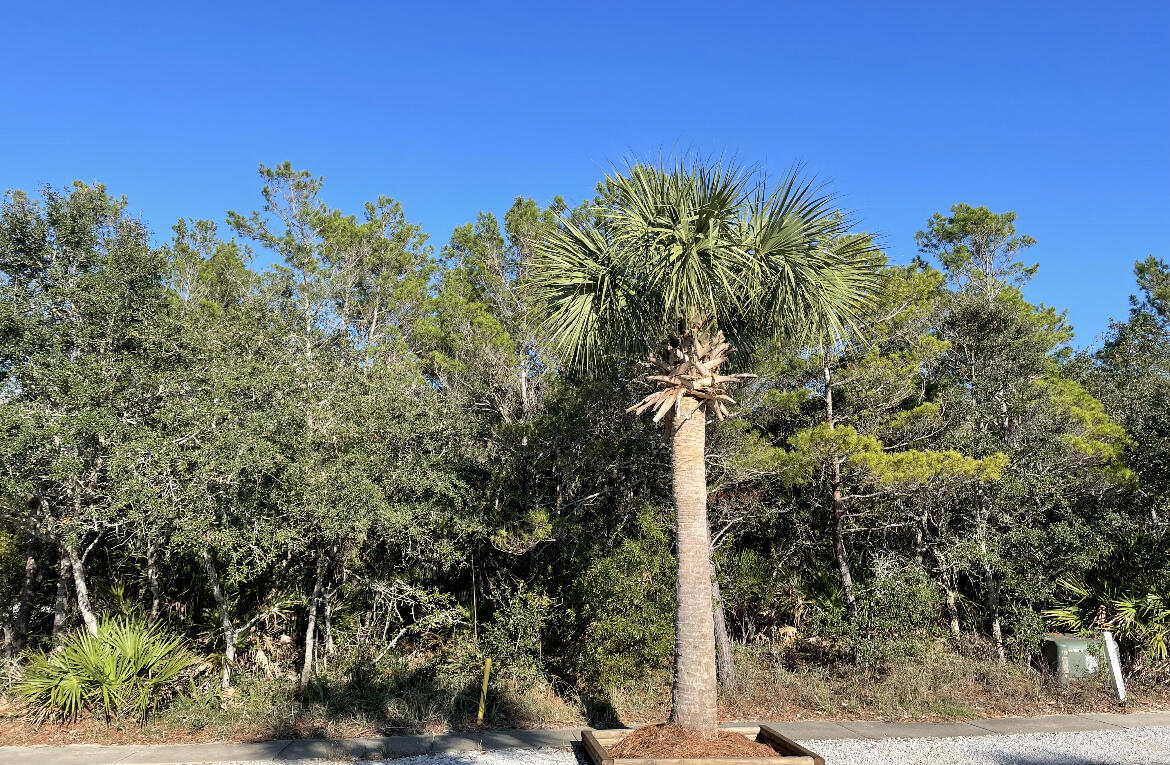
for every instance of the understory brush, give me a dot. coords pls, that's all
(897, 608)
(939, 683)
(354, 697)
(440, 691)
(128, 669)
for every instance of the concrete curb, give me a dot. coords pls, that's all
(403, 746)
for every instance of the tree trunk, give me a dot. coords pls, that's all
(695, 692)
(474, 604)
(946, 578)
(328, 626)
(16, 638)
(993, 609)
(152, 578)
(952, 609)
(225, 620)
(920, 540)
(311, 627)
(81, 589)
(839, 549)
(841, 553)
(724, 656)
(61, 602)
(992, 589)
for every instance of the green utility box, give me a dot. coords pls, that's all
(1071, 656)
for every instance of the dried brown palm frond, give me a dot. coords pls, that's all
(689, 366)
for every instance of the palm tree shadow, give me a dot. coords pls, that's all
(411, 702)
(580, 755)
(1048, 759)
(600, 711)
(407, 702)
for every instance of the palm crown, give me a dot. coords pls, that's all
(697, 247)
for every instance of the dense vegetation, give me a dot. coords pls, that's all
(359, 472)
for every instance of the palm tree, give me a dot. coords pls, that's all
(682, 262)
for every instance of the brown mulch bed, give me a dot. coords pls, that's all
(675, 741)
(20, 732)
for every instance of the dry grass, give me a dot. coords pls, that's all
(772, 686)
(939, 686)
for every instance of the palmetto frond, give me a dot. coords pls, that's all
(1140, 618)
(702, 244)
(586, 295)
(810, 279)
(680, 231)
(128, 667)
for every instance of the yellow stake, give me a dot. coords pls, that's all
(487, 670)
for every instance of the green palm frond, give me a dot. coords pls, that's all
(1141, 619)
(585, 293)
(814, 279)
(698, 242)
(679, 231)
(127, 668)
(1069, 619)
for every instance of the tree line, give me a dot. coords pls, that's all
(375, 449)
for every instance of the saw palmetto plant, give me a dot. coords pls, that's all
(127, 669)
(683, 262)
(1140, 617)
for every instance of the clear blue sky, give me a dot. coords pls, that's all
(1060, 111)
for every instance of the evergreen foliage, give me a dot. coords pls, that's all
(371, 465)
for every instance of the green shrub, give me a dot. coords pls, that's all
(127, 669)
(1024, 629)
(513, 636)
(627, 603)
(898, 607)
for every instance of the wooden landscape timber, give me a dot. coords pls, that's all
(597, 744)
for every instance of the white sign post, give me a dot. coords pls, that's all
(1114, 664)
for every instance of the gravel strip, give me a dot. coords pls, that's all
(1140, 746)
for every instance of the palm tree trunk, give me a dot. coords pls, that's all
(695, 693)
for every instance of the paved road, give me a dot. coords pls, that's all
(1089, 740)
